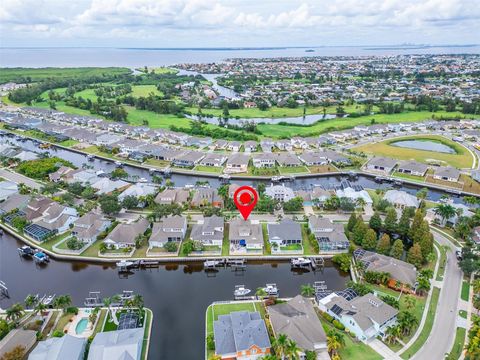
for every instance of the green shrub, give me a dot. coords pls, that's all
(58, 333)
(72, 310)
(327, 317)
(338, 325)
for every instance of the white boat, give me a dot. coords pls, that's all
(118, 163)
(142, 180)
(240, 290)
(300, 262)
(90, 157)
(271, 289)
(225, 176)
(277, 178)
(47, 300)
(124, 264)
(212, 263)
(189, 186)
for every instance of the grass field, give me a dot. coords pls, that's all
(465, 290)
(144, 90)
(37, 74)
(457, 348)
(462, 159)
(427, 327)
(276, 131)
(209, 169)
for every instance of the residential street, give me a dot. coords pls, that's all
(441, 338)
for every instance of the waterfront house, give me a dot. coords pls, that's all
(263, 160)
(319, 195)
(401, 199)
(365, 316)
(336, 158)
(411, 167)
(107, 139)
(286, 232)
(83, 177)
(173, 195)
(399, 270)
(206, 197)
(280, 192)
(234, 146)
(446, 173)
(313, 158)
(381, 164)
(7, 189)
(188, 159)
(60, 348)
(172, 228)
(241, 335)
(461, 210)
(354, 194)
(140, 191)
(47, 217)
(237, 163)
(87, 227)
(329, 235)
(245, 236)
(214, 159)
(117, 345)
(124, 235)
(208, 231)
(288, 160)
(298, 319)
(107, 186)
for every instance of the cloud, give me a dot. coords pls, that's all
(244, 22)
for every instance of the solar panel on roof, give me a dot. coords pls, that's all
(337, 310)
(128, 321)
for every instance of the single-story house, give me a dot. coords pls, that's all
(117, 345)
(401, 199)
(124, 235)
(60, 348)
(172, 195)
(286, 232)
(446, 173)
(263, 160)
(237, 163)
(381, 164)
(87, 227)
(411, 167)
(214, 159)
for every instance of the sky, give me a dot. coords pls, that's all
(237, 23)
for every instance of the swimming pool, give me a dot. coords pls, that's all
(81, 326)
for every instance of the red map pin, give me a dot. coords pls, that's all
(245, 199)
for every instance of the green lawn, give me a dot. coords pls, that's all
(63, 321)
(144, 90)
(293, 169)
(462, 159)
(426, 328)
(443, 262)
(465, 290)
(215, 310)
(458, 344)
(307, 247)
(148, 321)
(209, 169)
(69, 143)
(353, 349)
(37, 74)
(267, 248)
(463, 314)
(226, 241)
(101, 318)
(137, 117)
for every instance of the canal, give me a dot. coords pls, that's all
(177, 294)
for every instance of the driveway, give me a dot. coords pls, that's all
(18, 178)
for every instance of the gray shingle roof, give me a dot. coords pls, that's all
(285, 230)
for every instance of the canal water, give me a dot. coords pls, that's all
(177, 294)
(179, 180)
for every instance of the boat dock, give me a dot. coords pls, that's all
(3, 291)
(234, 264)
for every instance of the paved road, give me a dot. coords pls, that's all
(441, 338)
(18, 178)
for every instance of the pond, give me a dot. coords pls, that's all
(426, 145)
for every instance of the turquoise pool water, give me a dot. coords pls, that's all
(81, 326)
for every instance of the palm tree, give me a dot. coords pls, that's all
(335, 341)
(266, 357)
(472, 200)
(107, 302)
(423, 285)
(30, 301)
(445, 211)
(138, 302)
(14, 312)
(410, 302)
(261, 293)
(476, 286)
(307, 290)
(360, 202)
(392, 333)
(40, 307)
(292, 350)
(63, 302)
(280, 345)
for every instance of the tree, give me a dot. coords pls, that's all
(409, 301)
(40, 307)
(307, 290)
(414, 255)
(416, 222)
(260, 293)
(390, 223)
(422, 194)
(383, 245)
(4, 328)
(130, 202)
(280, 345)
(375, 221)
(17, 353)
(445, 211)
(423, 285)
(119, 173)
(406, 322)
(171, 246)
(359, 231)
(30, 301)
(63, 302)
(14, 312)
(404, 224)
(343, 261)
(335, 341)
(109, 204)
(370, 240)
(292, 350)
(397, 249)
(352, 220)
